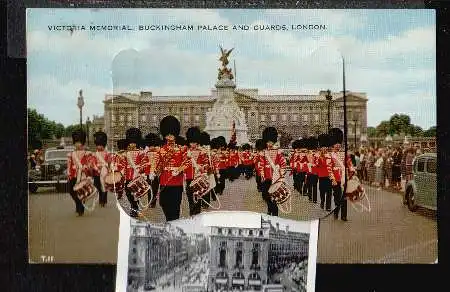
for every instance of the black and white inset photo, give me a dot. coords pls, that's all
(218, 251)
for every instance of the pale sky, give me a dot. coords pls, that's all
(390, 55)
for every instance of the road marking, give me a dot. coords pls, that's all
(384, 259)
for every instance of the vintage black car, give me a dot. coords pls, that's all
(51, 173)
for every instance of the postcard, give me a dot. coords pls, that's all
(167, 114)
(217, 251)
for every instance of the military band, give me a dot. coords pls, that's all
(161, 167)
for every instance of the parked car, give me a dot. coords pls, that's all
(53, 172)
(422, 189)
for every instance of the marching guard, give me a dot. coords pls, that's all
(173, 158)
(325, 170)
(101, 160)
(272, 167)
(257, 160)
(294, 164)
(197, 164)
(339, 169)
(233, 162)
(135, 160)
(205, 144)
(222, 164)
(312, 170)
(153, 144)
(247, 161)
(118, 169)
(78, 167)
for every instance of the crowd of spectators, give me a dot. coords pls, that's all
(386, 168)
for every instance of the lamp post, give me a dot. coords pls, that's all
(80, 105)
(329, 98)
(355, 121)
(88, 125)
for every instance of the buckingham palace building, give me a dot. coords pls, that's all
(293, 115)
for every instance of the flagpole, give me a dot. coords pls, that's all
(345, 125)
(235, 78)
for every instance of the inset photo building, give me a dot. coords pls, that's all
(221, 251)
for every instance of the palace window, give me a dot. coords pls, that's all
(155, 118)
(260, 233)
(143, 118)
(113, 117)
(121, 118)
(239, 244)
(273, 118)
(240, 231)
(129, 118)
(284, 117)
(186, 118)
(294, 118)
(263, 118)
(255, 255)
(238, 257)
(305, 118)
(229, 232)
(223, 255)
(219, 230)
(250, 232)
(197, 118)
(252, 114)
(316, 118)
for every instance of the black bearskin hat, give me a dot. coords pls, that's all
(193, 135)
(79, 136)
(270, 134)
(302, 144)
(100, 138)
(214, 143)
(122, 144)
(336, 135)
(152, 139)
(246, 146)
(232, 146)
(222, 142)
(169, 125)
(259, 145)
(313, 143)
(204, 139)
(180, 141)
(134, 135)
(324, 140)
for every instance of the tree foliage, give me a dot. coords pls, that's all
(399, 124)
(40, 128)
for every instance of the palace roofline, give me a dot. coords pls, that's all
(252, 94)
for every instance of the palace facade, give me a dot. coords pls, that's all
(244, 258)
(293, 115)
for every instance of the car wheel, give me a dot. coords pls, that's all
(411, 201)
(33, 188)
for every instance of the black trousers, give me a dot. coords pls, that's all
(79, 208)
(272, 207)
(194, 207)
(325, 192)
(299, 181)
(154, 185)
(170, 201)
(102, 196)
(133, 202)
(258, 183)
(220, 182)
(339, 201)
(311, 186)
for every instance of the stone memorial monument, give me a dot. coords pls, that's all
(225, 111)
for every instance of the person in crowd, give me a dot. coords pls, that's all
(396, 168)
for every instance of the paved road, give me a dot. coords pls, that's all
(390, 233)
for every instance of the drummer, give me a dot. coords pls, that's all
(119, 162)
(78, 163)
(153, 144)
(223, 157)
(101, 161)
(272, 167)
(246, 161)
(134, 160)
(205, 144)
(257, 159)
(197, 164)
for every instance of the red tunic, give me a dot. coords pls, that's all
(303, 162)
(85, 166)
(325, 165)
(99, 160)
(173, 160)
(153, 162)
(315, 169)
(233, 159)
(139, 159)
(223, 158)
(200, 157)
(293, 162)
(247, 158)
(265, 168)
(119, 162)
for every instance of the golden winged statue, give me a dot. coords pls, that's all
(225, 55)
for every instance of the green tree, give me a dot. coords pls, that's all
(399, 123)
(371, 132)
(383, 129)
(431, 132)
